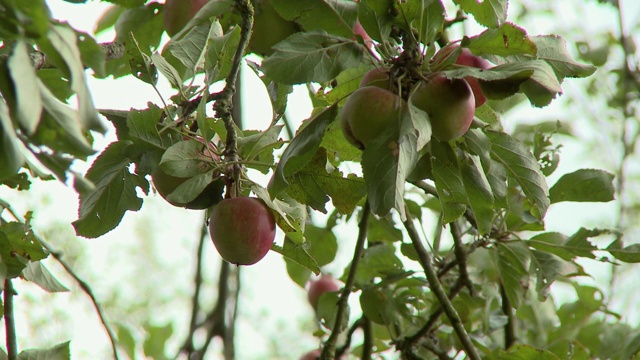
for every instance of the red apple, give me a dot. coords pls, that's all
(359, 30)
(377, 77)
(466, 58)
(242, 229)
(449, 103)
(369, 112)
(322, 285)
(311, 355)
(269, 28)
(177, 14)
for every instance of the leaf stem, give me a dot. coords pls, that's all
(438, 290)
(329, 348)
(9, 321)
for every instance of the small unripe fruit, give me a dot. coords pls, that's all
(177, 14)
(376, 77)
(466, 58)
(450, 105)
(318, 287)
(242, 229)
(368, 113)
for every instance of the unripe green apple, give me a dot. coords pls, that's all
(449, 103)
(466, 58)
(368, 113)
(376, 77)
(177, 14)
(242, 229)
(325, 283)
(269, 28)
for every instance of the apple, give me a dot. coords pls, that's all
(177, 14)
(359, 30)
(377, 77)
(269, 28)
(311, 355)
(242, 229)
(165, 184)
(325, 283)
(466, 58)
(369, 112)
(449, 103)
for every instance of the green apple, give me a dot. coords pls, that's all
(177, 14)
(449, 103)
(370, 112)
(269, 28)
(242, 229)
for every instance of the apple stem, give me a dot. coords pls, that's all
(9, 321)
(329, 348)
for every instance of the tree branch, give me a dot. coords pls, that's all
(329, 348)
(367, 343)
(9, 321)
(87, 289)
(438, 290)
(461, 256)
(510, 326)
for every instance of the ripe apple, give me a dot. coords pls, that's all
(449, 103)
(242, 229)
(177, 14)
(165, 184)
(466, 58)
(311, 355)
(369, 112)
(322, 285)
(269, 28)
(377, 77)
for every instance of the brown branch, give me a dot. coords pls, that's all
(438, 290)
(510, 326)
(349, 336)
(461, 255)
(9, 321)
(367, 343)
(329, 348)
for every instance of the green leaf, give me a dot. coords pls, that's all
(505, 40)
(334, 17)
(553, 49)
(478, 192)
(548, 268)
(11, 159)
(448, 181)
(220, 53)
(59, 352)
(291, 215)
(314, 56)
(513, 264)
(102, 209)
(187, 53)
(157, 337)
(167, 70)
(187, 158)
(301, 149)
(18, 246)
(297, 253)
(210, 9)
(378, 261)
(522, 352)
(628, 254)
(522, 166)
(25, 85)
(376, 19)
(425, 16)
(317, 179)
(195, 187)
(584, 185)
(489, 13)
(37, 273)
(479, 144)
(140, 63)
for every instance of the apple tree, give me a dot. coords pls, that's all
(407, 137)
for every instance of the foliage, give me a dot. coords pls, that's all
(490, 278)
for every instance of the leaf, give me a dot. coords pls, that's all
(376, 19)
(11, 159)
(496, 174)
(425, 16)
(513, 264)
(167, 70)
(59, 352)
(210, 9)
(140, 63)
(522, 166)
(321, 244)
(584, 185)
(298, 254)
(628, 254)
(187, 158)
(142, 129)
(378, 261)
(290, 214)
(219, 54)
(18, 246)
(543, 86)
(314, 56)
(156, 339)
(448, 181)
(548, 268)
(334, 17)
(102, 209)
(522, 352)
(489, 13)
(301, 149)
(479, 193)
(25, 86)
(188, 51)
(505, 40)
(36, 272)
(553, 49)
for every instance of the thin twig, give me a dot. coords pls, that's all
(347, 343)
(438, 290)
(9, 321)
(329, 348)
(87, 289)
(510, 326)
